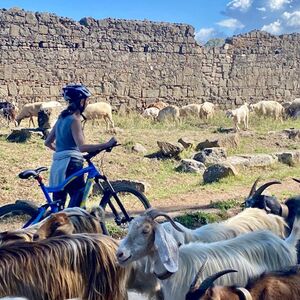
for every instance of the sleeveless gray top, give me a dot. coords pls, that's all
(63, 134)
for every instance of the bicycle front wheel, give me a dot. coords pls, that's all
(14, 216)
(133, 201)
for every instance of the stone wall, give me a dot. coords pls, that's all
(136, 62)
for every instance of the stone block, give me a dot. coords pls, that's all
(218, 171)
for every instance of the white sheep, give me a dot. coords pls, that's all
(250, 254)
(268, 109)
(98, 110)
(31, 110)
(150, 112)
(170, 112)
(207, 110)
(190, 110)
(240, 115)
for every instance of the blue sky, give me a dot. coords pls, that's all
(211, 18)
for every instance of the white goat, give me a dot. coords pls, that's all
(190, 110)
(239, 115)
(31, 110)
(250, 254)
(150, 112)
(268, 109)
(97, 111)
(207, 110)
(170, 112)
(250, 219)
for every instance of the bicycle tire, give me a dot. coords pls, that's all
(13, 214)
(129, 190)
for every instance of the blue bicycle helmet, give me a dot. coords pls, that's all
(75, 92)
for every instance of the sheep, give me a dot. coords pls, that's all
(158, 104)
(293, 108)
(268, 109)
(190, 110)
(207, 110)
(278, 285)
(250, 219)
(170, 112)
(95, 111)
(80, 265)
(31, 110)
(251, 254)
(239, 115)
(151, 112)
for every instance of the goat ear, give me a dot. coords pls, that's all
(167, 249)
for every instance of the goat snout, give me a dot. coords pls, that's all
(123, 256)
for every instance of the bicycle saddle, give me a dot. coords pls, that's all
(32, 173)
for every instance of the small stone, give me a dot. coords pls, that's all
(170, 149)
(139, 148)
(210, 156)
(191, 166)
(218, 171)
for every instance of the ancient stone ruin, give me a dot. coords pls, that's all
(137, 62)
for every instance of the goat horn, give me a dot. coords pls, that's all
(195, 281)
(244, 294)
(154, 213)
(208, 282)
(253, 189)
(264, 186)
(297, 180)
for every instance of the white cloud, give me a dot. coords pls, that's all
(231, 24)
(204, 34)
(278, 4)
(261, 8)
(242, 5)
(292, 19)
(274, 28)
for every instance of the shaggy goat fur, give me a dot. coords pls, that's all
(251, 254)
(250, 219)
(82, 266)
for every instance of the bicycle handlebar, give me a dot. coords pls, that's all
(90, 155)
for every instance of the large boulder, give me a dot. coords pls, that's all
(218, 171)
(170, 149)
(252, 160)
(191, 166)
(227, 141)
(210, 156)
(291, 158)
(292, 133)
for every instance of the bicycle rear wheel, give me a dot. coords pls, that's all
(14, 216)
(133, 201)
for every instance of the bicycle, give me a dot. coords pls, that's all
(112, 195)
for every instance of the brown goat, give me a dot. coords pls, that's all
(279, 285)
(81, 265)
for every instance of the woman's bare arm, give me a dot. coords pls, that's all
(79, 139)
(50, 140)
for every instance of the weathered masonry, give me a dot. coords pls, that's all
(136, 62)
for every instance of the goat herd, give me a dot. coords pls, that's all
(252, 255)
(158, 110)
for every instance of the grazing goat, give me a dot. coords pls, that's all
(8, 110)
(31, 110)
(158, 104)
(293, 109)
(268, 109)
(207, 110)
(251, 254)
(239, 116)
(250, 219)
(190, 110)
(284, 284)
(170, 112)
(96, 111)
(78, 266)
(150, 112)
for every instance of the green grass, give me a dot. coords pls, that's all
(225, 205)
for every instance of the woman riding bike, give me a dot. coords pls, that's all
(67, 140)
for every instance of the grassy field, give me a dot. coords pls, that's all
(165, 184)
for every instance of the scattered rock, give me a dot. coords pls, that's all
(170, 149)
(210, 156)
(139, 148)
(292, 133)
(290, 158)
(186, 143)
(23, 135)
(218, 171)
(228, 141)
(252, 160)
(225, 130)
(138, 185)
(115, 130)
(191, 166)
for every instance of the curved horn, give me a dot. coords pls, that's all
(154, 213)
(264, 186)
(208, 282)
(297, 180)
(253, 189)
(193, 286)
(244, 294)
